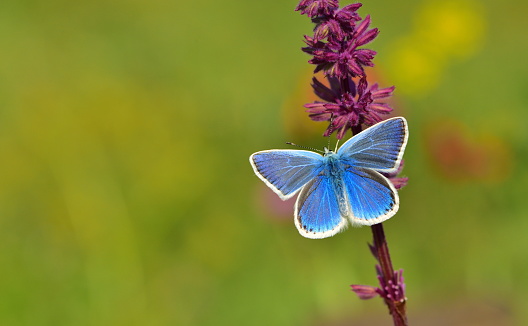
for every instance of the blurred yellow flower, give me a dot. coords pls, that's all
(442, 31)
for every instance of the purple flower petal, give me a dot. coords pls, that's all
(381, 93)
(398, 182)
(380, 107)
(323, 92)
(349, 13)
(365, 292)
(314, 8)
(362, 27)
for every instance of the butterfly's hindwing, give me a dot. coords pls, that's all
(286, 171)
(371, 196)
(317, 211)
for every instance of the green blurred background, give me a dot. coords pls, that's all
(127, 198)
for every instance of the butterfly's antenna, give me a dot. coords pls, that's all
(306, 147)
(332, 129)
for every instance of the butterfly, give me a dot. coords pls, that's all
(342, 187)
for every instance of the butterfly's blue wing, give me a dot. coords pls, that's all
(317, 212)
(379, 147)
(372, 197)
(331, 192)
(286, 171)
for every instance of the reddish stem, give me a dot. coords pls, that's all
(396, 308)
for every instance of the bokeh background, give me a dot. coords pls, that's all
(127, 198)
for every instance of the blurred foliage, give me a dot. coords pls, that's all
(126, 196)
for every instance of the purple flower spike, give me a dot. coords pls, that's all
(340, 56)
(392, 289)
(350, 107)
(336, 49)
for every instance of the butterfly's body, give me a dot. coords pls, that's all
(332, 164)
(333, 169)
(340, 187)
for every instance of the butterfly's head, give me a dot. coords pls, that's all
(328, 152)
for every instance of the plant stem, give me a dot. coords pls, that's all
(396, 308)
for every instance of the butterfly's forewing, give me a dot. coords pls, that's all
(371, 196)
(286, 171)
(317, 213)
(379, 147)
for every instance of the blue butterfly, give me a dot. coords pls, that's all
(340, 187)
